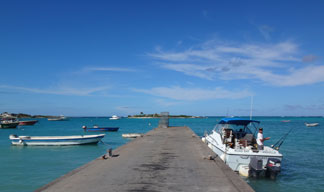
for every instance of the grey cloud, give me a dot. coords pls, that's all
(225, 69)
(308, 107)
(309, 58)
(212, 69)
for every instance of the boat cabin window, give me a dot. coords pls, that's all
(238, 132)
(228, 133)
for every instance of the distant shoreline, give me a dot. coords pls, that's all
(23, 115)
(192, 117)
(151, 116)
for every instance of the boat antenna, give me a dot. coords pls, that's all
(251, 107)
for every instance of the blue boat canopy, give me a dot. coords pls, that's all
(237, 121)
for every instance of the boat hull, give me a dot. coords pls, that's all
(114, 117)
(311, 124)
(28, 122)
(235, 161)
(8, 125)
(58, 119)
(56, 141)
(110, 129)
(240, 158)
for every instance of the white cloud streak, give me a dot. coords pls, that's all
(194, 94)
(113, 69)
(56, 91)
(275, 64)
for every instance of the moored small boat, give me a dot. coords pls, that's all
(60, 118)
(29, 122)
(96, 128)
(9, 123)
(55, 140)
(114, 117)
(132, 135)
(311, 124)
(234, 141)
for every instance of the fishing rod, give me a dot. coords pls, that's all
(277, 145)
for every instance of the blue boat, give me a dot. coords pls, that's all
(96, 128)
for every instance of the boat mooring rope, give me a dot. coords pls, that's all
(104, 142)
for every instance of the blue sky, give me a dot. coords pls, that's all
(99, 58)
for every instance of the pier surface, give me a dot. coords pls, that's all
(164, 159)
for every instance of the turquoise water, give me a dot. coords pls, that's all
(30, 167)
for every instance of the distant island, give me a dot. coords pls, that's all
(23, 115)
(155, 115)
(139, 116)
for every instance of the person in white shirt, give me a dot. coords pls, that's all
(260, 139)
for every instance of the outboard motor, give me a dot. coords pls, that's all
(273, 168)
(255, 167)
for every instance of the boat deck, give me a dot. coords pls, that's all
(164, 159)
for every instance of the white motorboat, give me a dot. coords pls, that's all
(311, 124)
(60, 118)
(55, 140)
(114, 117)
(9, 122)
(234, 141)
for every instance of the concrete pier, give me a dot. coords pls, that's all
(164, 159)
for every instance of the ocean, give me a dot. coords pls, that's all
(26, 168)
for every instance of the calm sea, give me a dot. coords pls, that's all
(28, 168)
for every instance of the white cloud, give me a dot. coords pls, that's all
(194, 94)
(57, 91)
(190, 69)
(165, 103)
(114, 69)
(276, 64)
(303, 76)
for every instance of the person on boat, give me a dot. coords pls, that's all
(260, 139)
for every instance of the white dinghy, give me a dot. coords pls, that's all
(55, 140)
(311, 124)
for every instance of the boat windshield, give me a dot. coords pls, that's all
(238, 127)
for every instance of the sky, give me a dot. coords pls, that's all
(208, 58)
